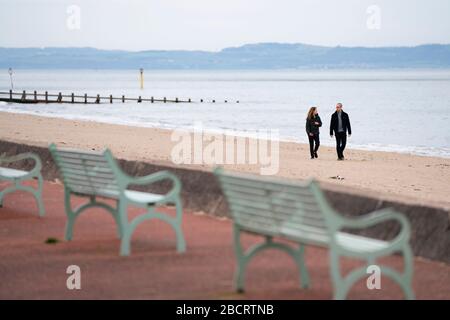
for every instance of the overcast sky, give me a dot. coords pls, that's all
(215, 24)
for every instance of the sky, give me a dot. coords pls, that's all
(215, 24)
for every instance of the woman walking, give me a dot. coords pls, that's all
(313, 123)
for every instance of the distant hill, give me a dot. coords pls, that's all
(251, 56)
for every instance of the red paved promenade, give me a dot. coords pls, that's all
(30, 268)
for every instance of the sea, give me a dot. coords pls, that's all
(406, 111)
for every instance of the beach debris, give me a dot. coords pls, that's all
(337, 178)
(52, 241)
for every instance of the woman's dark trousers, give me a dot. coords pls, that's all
(314, 143)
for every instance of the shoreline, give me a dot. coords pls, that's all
(406, 149)
(388, 175)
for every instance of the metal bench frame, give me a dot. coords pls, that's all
(17, 181)
(334, 223)
(119, 184)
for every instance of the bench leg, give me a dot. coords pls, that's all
(38, 195)
(339, 290)
(118, 220)
(125, 243)
(408, 273)
(240, 260)
(300, 259)
(244, 257)
(69, 227)
(4, 192)
(343, 284)
(175, 223)
(127, 229)
(71, 216)
(181, 243)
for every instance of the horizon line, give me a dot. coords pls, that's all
(231, 47)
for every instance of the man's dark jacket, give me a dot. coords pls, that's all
(345, 123)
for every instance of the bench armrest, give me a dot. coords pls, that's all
(378, 217)
(37, 163)
(156, 177)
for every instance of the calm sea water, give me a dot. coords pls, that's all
(404, 111)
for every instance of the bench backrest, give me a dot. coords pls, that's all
(276, 208)
(87, 173)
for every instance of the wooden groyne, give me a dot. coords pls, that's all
(35, 97)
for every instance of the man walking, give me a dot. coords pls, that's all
(340, 124)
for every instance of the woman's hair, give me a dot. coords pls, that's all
(311, 113)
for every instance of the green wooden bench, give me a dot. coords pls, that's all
(300, 212)
(97, 175)
(17, 177)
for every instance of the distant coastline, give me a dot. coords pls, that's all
(262, 56)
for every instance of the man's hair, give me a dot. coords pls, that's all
(339, 104)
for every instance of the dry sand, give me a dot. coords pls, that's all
(391, 176)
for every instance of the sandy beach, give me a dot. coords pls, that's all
(391, 176)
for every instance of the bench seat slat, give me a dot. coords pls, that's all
(72, 182)
(294, 204)
(266, 185)
(90, 179)
(12, 173)
(247, 205)
(240, 211)
(359, 243)
(77, 151)
(92, 173)
(283, 226)
(82, 163)
(100, 167)
(285, 195)
(261, 191)
(268, 189)
(80, 155)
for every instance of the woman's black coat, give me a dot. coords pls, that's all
(311, 127)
